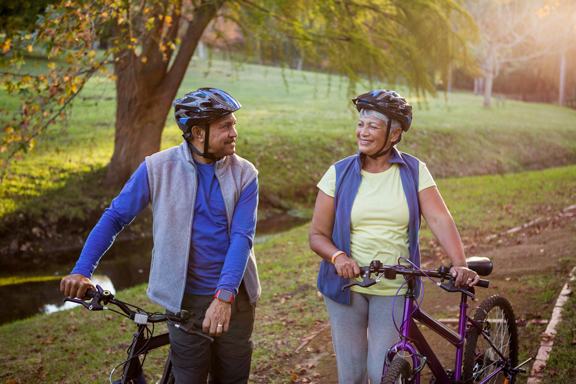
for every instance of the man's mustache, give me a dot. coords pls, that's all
(230, 141)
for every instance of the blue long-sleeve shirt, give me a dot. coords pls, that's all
(217, 261)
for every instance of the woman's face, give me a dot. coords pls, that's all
(370, 135)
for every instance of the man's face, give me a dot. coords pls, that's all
(223, 136)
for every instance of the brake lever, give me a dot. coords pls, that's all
(190, 329)
(94, 304)
(78, 301)
(366, 280)
(449, 287)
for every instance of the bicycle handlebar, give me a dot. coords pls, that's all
(101, 298)
(389, 273)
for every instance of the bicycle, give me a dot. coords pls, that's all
(144, 339)
(486, 346)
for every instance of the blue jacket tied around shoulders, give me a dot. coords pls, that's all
(348, 179)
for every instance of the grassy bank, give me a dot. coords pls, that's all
(78, 345)
(291, 133)
(560, 367)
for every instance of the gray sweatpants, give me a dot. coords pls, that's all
(361, 334)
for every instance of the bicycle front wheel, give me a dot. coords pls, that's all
(398, 372)
(480, 359)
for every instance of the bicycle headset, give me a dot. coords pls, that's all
(390, 104)
(200, 108)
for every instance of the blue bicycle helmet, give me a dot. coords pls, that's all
(200, 108)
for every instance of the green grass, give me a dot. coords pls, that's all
(81, 346)
(78, 345)
(291, 134)
(560, 368)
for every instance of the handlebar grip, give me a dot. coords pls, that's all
(91, 293)
(483, 283)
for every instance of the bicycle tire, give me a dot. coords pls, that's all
(171, 378)
(398, 372)
(479, 356)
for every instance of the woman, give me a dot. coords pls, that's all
(368, 208)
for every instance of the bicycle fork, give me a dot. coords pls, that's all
(412, 341)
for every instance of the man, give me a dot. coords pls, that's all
(204, 200)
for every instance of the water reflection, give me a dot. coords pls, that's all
(125, 265)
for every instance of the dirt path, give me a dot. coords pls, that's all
(530, 274)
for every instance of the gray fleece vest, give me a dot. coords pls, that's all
(173, 182)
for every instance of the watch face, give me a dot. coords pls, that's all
(224, 295)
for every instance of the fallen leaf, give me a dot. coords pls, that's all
(294, 377)
(317, 375)
(282, 301)
(508, 279)
(49, 340)
(289, 320)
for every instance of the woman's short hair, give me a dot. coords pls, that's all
(372, 113)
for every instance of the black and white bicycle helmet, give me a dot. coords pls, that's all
(390, 104)
(202, 107)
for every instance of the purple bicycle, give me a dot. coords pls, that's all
(486, 345)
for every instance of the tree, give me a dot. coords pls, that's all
(561, 15)
(152, 42)
(18, 15)
(511, 32)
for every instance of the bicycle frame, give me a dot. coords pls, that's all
(142, 345)
(420, 350)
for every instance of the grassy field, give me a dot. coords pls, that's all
(78, 345)
(292, 134)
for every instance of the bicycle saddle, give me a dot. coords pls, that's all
(481, 265)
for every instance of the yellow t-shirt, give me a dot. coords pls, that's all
(379, 221)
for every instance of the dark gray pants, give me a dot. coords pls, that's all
(227, 360)
(362, 332)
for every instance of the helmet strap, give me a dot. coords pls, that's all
(188, 135)
(381, 152)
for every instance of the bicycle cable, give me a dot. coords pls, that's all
(137, 354)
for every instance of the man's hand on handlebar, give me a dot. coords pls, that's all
(346, 267)
(76, 285)
(464, 277)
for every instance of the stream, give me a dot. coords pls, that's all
(125, 265)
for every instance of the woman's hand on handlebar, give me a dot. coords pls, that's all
(464, 277)
(346, 267)
(76, 285)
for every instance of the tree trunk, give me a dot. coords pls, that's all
(449, 87)
(144, 94)
(300, 62)
(489, 78)
(201, 53)
(139, 126)
(562, 90)
(488, 89)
